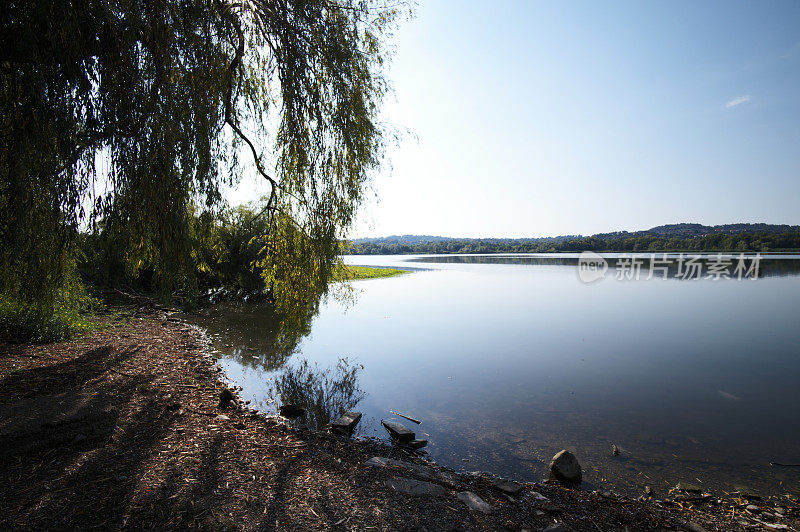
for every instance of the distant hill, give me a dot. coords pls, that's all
(698, 230)
(671, 237)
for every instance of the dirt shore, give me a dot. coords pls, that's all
(120, 429)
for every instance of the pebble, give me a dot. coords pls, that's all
(474, 502)
(688, 488)
(509, 486)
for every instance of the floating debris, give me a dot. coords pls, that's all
(411, 419)
(728, 396)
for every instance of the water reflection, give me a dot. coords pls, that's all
(324, 394)
(257, 343)
(657, 266)
(255, 335)
(507, 364)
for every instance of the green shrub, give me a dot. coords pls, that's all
(20, 322)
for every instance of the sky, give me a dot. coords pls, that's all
(531, 118)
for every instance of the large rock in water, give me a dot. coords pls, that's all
(398, 432)
(346, 423)
(564, 467)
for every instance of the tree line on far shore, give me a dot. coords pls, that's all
(738, 242)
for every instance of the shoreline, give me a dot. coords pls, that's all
(170, 461)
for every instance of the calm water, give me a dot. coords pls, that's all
(508, 359)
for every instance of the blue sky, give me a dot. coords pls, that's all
(564, 117)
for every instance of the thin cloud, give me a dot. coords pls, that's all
(738, 101)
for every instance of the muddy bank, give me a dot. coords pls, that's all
(121, 429)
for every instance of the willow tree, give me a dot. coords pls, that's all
(131, 112)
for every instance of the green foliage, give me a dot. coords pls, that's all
(129, 117)
(30, 323)
(356, 273)
(226, 248)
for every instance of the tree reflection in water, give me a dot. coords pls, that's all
(325, 394)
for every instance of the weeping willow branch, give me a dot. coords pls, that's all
(229, 115)
(150, 89)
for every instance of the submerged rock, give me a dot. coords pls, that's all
(745, 493)
(564, 467)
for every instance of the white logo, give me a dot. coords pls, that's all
(591, 267)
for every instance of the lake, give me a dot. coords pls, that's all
(507, 359)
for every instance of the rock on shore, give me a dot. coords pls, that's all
(564, 467)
